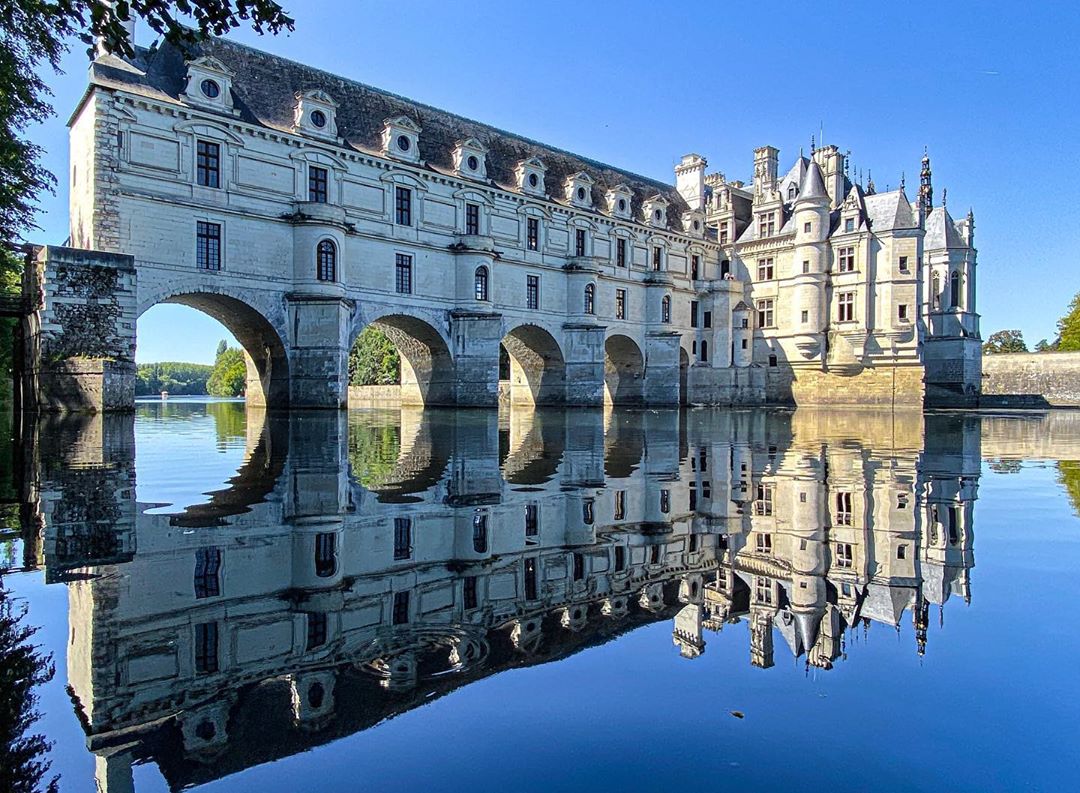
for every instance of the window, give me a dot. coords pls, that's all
(532, 234)
(765, 269)
(472, 218)
(846, 263)
(318, 181)
(695, 267)
(207, 567)
(665, 501)
(935, 291)
(723, 234)
(763, 505)
(766, 224)
(706, 319)
(590, 299)
(901, 501)
(804, 316)
(402, 539)
(704, 351)
(665, 309)
(468, 592)
(807, 228)
(325, 554)
(791, 192)
(403, 274)
(480, 283)
(326, 261)
(620, 505)
(530, 579)
(620, 304)
(844, 516)
(745, 344)
(765, 309)
(401, 608)
(901, 552)
(846, 307)
(206, 648)
(316, 629)
(579, 242)
(725, 268)
(954, 290)
(532, 291)
(849, 224)
(764, 543)
(620, 252)
(654, 555)
(532, 520)
(903, 264)
(208, 245)
(587, 516)
(693, 313)
(844, 556)
(901, 312)
(806, 266)
(579, 567)
(208, 164)
(657, 257)
(773, 360)
(210, 89)
(620, 558)
(763, 591)
(479, 533)
(318, 119)
(403, 206)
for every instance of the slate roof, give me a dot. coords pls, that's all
(888, 211)
(264, 89)
(941, 231)
(813, 184)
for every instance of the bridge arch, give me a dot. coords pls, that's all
(624, 371)
(427, 374)
(537, 366)
(259, 329)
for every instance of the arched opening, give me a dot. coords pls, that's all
(480, 283)
(624, 371)
(537, 369)
(684, 377)
(406, 351)
(954, 290)
(258, 371)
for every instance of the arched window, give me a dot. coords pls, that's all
(326, 256)
(590, 299)
(665, 309)
(935, 291)
(479, 533)
(481, 283)
(705, 351)
(954, 290)
(325, 554)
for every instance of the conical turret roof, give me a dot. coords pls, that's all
(813, 185)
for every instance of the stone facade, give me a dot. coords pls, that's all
(298, 208)
(1036, 380)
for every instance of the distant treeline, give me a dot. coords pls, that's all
(172, 376)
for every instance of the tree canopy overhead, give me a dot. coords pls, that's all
(34, 33)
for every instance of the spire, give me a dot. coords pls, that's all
(926, 189)
(812, 149)
(944, 196)
(869, 183)
(903, 180)
(813, 185)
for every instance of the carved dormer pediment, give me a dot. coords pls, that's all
(209, 84)
(655, 210)
(620, 201)
(401, 139)
(530, 176)
(693, 223)
(315, 113)
(470, 158)
(579, 189)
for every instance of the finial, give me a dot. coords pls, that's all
(903, 178)
(801, 152)
(869, 181)
(812, 149)
(944, 196)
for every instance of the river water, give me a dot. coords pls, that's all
(551, 600)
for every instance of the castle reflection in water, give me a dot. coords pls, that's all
(357, 565)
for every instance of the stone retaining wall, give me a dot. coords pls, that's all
(374, 395)
(1031, 380)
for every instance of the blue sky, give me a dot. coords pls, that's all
(990, 88)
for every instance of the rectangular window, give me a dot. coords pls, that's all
(657, 257)
(316, 629)
(849, 224)
(903, 264)
(620, 505)
(403, 274)
(901, 552)
(765, 269)
(206, 648)
(693, 313)
(846, 261)
(620, 304)
(764, 543)
(532, 291)
(695, 267)
(403, 206)
(532, 234)
(654, 555)
(620, 558)
(579, 242)
(468, 592)
(763, 590)
(318, 185)
(706, 319)
(472, 218)
(766, 224)
(579, 567)
(805, 317)
(207, 567)
(208, 163)
(901, 312)
(620, 252)
(844, 516)
(532, 520)
(844, 556)
(807, 227)
(725, 268)
(401, 608)
(765, 311)
(665, 501)
(763, 505)
(846, 307)
(208, 245)
(806, 266)
(530, 579)
(402, 539)
(723, 234)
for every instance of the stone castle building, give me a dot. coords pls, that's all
(299, 207)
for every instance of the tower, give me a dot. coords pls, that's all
(766, 159)
(926, 189)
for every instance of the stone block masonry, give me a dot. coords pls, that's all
(1038, 380)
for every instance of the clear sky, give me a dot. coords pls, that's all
(990, 88)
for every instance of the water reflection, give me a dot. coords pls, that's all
(355, 566)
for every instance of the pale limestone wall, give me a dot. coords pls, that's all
(881, 386)
(374, 395)
(1031, 380)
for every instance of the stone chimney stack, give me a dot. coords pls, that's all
(690, 180)
(831, 162)
(766, 159)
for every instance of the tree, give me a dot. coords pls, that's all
(1068, 339)
(374, 359)
(1044, 346)
(229, 375)
(1005, 341)
(221, 347)
(37, 32)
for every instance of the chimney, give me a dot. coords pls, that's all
(831, 162)
(690, 180)
(765, 164)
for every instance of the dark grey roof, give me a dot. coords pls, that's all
(813, 185)
(888, 211)
(264, 90)
(941, 231)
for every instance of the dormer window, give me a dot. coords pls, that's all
(470, 159)
(209, 84)
(314, 115)
(210, 88)
(400, 139)
(618, 201)
(530, 176)
(318, 119)
(849, 224)
(579, 189)
(694, 223)
(655, 210)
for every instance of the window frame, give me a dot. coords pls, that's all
(766, 312)
(472, 218)
(403, 209)
(326, 261)
(845, 306)
(207, 164)
(620, 304)
(481, 284)
(403, 273)
(208, 245)
(532, 292)
(318, 184)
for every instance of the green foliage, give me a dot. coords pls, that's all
(174, 377)
(1005, 341)
(374, 360)
(11, 268)
(1068, 339)
(34, 35)
(23, 761)
(229, 374)
(373, 453)
(1069, 476)
(221, 347)
(1044, 346)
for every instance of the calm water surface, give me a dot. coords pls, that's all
(576, 600)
